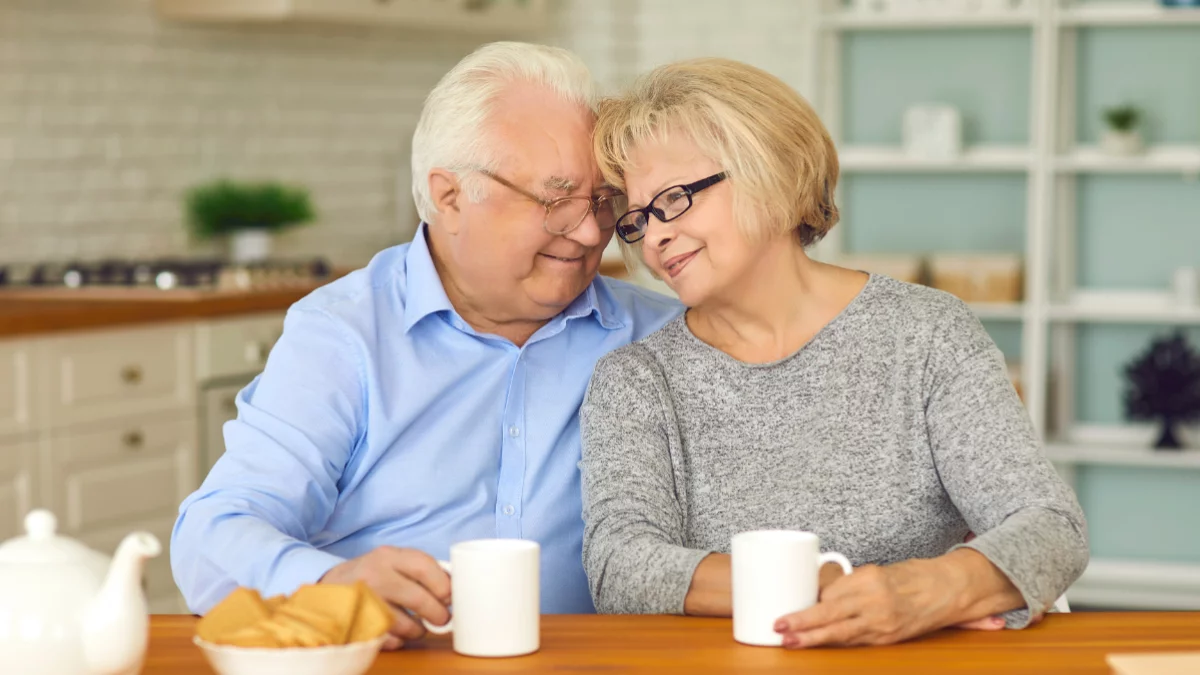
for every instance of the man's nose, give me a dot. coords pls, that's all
(588, 232)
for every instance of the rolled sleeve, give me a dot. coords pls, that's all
(275, 487)
(1028, 521)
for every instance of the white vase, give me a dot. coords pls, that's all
(247, 246)
(1116, 142)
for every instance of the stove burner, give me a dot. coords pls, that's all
(164, 274)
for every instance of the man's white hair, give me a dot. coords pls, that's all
(452, 134)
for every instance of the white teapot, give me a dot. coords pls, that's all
(68, 610)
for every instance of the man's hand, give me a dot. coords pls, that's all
(410, 581)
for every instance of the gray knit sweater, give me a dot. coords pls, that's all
(893, 433)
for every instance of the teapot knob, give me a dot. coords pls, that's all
(40, 524)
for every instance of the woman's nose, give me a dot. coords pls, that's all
(659, 235)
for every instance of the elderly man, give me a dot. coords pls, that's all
(433, 396)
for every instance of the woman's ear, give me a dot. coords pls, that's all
(445, 189)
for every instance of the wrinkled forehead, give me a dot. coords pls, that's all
(551, 145)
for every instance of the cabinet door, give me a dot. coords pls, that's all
(17, 459)
(124, 470)
(235, 347)
(16, 397)
(158, 582)
(99, 376)
(217, 407)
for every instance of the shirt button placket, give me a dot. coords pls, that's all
(512, 456)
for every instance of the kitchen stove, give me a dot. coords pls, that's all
(160, 276)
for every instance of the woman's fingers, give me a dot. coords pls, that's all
(986, 623)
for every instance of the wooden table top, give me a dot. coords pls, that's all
(53, 311)
(1062, 644)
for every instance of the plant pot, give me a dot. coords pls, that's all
(1116, 142)
(1167, 438)
(247, 246)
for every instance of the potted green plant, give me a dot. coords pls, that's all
(247, 213)
(1121, 134)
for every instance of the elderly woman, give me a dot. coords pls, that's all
(799, 395)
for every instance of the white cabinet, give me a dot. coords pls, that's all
(483, 17)
(120, 471)
(16, 396)
(235, 347)
(217, 407)
(162, 594)
(111, 430)
(104, 375)
(18, 457)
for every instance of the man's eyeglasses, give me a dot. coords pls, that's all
(666, 206)
(564, 214)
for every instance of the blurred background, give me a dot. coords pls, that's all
(174, 173)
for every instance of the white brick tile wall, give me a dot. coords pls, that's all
(108, 114)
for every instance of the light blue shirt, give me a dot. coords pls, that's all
(382, 418)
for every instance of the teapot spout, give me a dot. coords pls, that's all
(116, 623)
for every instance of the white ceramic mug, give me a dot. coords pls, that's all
(494, 597)
(775, 573)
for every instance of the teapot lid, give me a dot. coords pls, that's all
(41, 545)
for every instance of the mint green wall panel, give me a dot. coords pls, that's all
(1007, 336)
(1140, 513)
(912, 213)
(1133, 231)
(984, 73)
(1154, 68)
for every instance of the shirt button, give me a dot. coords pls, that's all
(509, 510)
(514, 432)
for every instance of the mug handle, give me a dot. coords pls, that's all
(442, 630)
(838, 558)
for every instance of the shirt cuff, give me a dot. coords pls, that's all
(299, 566)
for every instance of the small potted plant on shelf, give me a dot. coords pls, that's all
(1121, 134)
(1164, 385)
(247, 213)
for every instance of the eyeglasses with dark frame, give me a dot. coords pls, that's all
(565, 214)
(666, 206)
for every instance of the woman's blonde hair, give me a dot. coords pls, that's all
(766, 137)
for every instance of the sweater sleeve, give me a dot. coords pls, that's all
(633, 541)
(1028, 521)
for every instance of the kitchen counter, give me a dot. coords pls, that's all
(35, 312)
(26, 312)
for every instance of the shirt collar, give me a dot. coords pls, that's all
(425, 294)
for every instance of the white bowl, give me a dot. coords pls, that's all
(352, 659)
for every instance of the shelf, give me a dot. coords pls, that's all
(1114, 455)
(1124, 307)
(998, 311)
(1157, 159)
(1128, 14)
(982, 159)
(881, 21)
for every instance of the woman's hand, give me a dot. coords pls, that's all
(884, 605)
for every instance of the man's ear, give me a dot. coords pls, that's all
(445, 189)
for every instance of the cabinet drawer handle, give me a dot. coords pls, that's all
(131, 375)
(134, 440)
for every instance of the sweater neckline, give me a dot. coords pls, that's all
(850, 308)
